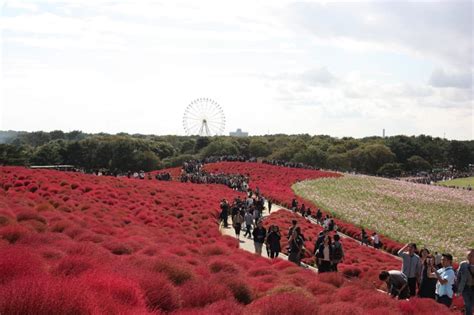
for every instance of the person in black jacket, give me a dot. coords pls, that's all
(324, 255)
(296, 246)
(224, 212)
(259, 235)
(273, 241)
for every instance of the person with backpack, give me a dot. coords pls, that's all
(446, 279)
(338, 252)
(465, 282)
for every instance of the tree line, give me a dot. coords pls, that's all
(389, 156)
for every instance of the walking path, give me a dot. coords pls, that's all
(247, 244)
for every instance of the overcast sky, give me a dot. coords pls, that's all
(343, 69)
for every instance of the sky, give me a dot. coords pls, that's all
(319, 67)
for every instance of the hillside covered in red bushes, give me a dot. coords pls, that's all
(81, 244)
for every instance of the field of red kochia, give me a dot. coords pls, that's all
(81, 244)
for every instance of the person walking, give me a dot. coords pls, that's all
(324, 255)
(291, 228)
(376, 240)
(270, 203)
(411, 266)
(465, 281)
(273, 241)
(296, 246)
(446, 278)
(364, 239)
(248, 219)
(237, 224)
(259, 235)
(224, 212)
(338, 252)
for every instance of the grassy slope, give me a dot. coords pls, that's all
(435, 217)
(459, 182)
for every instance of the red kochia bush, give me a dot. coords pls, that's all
(284, 303)
(45, 296)
(17, 262)
(178, 261)
(200, 293)
(159, 293)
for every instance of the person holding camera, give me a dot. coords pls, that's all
(428, 281)
(446, 278)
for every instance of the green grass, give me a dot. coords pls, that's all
(458, 182)
(436, 217)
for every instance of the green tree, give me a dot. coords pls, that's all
(201, 142)
(220, 147)
(459, 154)
(390, 170)
(416, 163)
(51, 153)
(259, 147)
(339, 162)
(311, 156)
(146, 161)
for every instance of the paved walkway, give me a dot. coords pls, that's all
(247, 244)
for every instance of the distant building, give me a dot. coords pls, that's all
(238, 133)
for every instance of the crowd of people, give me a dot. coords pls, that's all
(234, 181)
(193, 172)
(289, 164)
(423, 274)
(432, 276)
(434, 177)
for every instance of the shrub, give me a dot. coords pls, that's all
(29, 215)
(283, 303)
(159, 294)
(176, 272)
(17, 262)
(44, 296)
(73, 266)
(13, 233)
(199, 293)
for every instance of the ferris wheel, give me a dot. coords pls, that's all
(203, 117)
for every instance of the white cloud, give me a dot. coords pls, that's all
(274, 66)
(462, 80)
